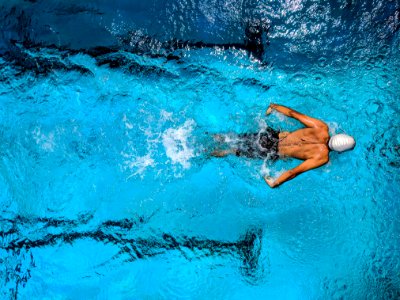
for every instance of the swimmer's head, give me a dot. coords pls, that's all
(341, 142)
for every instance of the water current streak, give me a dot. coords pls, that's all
(44, 61)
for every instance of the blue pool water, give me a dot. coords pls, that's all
(107, 111)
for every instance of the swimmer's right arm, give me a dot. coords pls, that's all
(306, 120)
(303, 167)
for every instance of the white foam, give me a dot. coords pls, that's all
(165, 115)
(45, 141)
(281, 117)
(262, 124)
(126, 122)
(333, 127)
(175, 141)
(265, 170)
(230, 138)
(137, 164)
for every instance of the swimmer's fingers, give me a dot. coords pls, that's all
(270, 108)
(270, 181)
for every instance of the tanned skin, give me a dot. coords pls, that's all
(309, 144)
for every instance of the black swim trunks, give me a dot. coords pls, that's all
(259, 145)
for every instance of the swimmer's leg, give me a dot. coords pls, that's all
(219, 138)
(222, 153)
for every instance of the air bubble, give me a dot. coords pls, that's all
(384, 49)
(346, 58)
(318, 78)
(299, 77)
(322, 62)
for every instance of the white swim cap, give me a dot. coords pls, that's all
(341, 142)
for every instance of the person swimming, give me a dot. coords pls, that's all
(311, 144)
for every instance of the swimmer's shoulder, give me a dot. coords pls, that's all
(322, 153)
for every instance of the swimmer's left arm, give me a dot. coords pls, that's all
(303, 167)
(291, 113)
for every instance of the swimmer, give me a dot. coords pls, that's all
(311, 144)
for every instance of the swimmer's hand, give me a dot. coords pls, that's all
(270, 181)
(270, 108)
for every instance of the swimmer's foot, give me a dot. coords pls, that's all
(222, 153)
(219, 138)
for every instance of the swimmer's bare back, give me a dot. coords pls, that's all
(309, 144)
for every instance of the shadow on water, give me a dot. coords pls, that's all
(20, 235)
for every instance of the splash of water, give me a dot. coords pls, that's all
(177, 147)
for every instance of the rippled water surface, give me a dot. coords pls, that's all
(107, 112)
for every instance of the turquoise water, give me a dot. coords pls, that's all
(107, 190)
